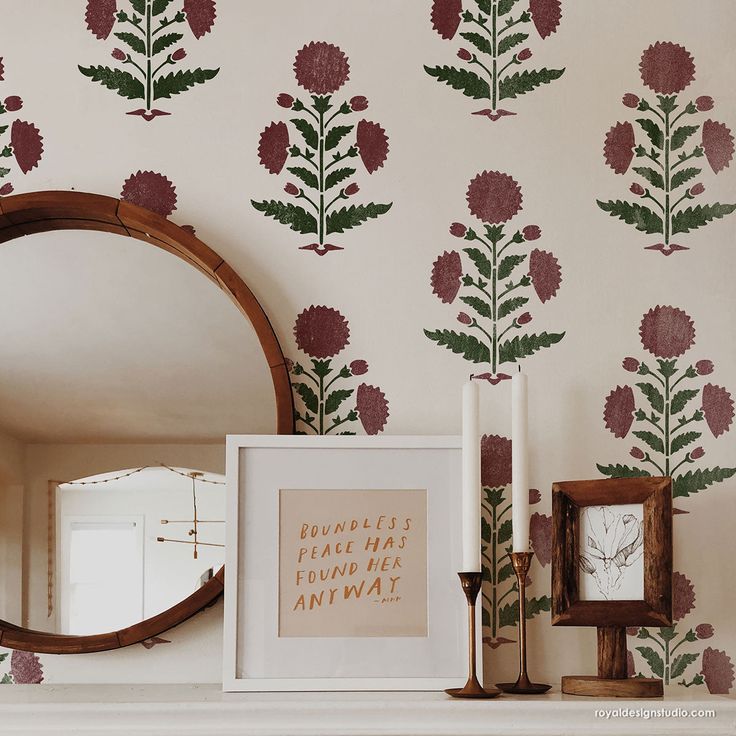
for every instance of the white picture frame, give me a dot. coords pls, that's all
(256, 657)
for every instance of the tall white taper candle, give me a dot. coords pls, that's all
(471, 479)
(519, 463)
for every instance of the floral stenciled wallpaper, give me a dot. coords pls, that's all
(489, 185)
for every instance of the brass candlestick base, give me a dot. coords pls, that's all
(471, 582)
(523, 685)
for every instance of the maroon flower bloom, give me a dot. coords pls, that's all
(531, 232)
(524, 54)
(717, 671)
(630, 100)
(6, 189)
(150, 190)
(683, 596)
(446, 17)
(718, 408)
(372, 145)
(321, 68)
(285, 100)
(464, 54)
(630, 364)
(100, 17)
(637, 453)
(273, 147)
(359, 367)
(618, 412)
(704, 631)
(372, 408)
(717, 145)
(201, 16)
(540, 532)
(637, 189)
(618, 149)
(667, 68)
(545, 273)
(446, 273)
(534, 496)
(704, 103)
(495, 461)
(494, 197)
(13, 103)
(464, 319)
(27, 144)
(696, 189)
(524, 319)
(458, 230)
(704, 367)
(546, 15)
(321, 332)
(351, 189)
(667, 332)
(632, 630)
(119, 55)
(291, 188)
(358, 103)
(26, 668)
(178, 55)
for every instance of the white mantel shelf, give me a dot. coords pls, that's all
(186, 710)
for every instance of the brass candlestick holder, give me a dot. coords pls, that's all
(523, 685)
(471, 582)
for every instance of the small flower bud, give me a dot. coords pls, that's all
(458, 229)
(630, 100)
(358, 367)
(119, 55)
(289, 363)
(704, 631)
(630, 364)
(531, 232)
(696, 189)
(524, 54)
(704, 367)
(524, 319)
(637, 188)
(13, 103)
(704, 103)
(464, 54)
(534, 496)
(697, 453)
(464, 319)
(637, 453)
(358, 103)
(178, 55)
(351, 189)
(632, 630)
(292, 189)
(6, 189)
(285, 100)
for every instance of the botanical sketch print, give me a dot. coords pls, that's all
(150, 52)
(497, 278)
(495, 33)
(716, 670)
(612, 544)
(669, 408)
(668, 149)
(326, 398)
(24, 146)
(500, 589)
(25, 668)
(322, 143)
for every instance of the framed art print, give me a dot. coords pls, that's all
(342, 561)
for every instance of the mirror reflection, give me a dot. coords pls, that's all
(123, 368)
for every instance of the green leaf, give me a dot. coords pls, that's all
(306, 175)
(158, 6)
(163, 42)
(656, 136)
(654, 441)
(695, 217)
(504, 532)
(524, 345)
(125, 84)
(479, 258)
(308, 396)
(133, 40)
(336, 176)
(622, 471)
(4, 172)
(3, 128)
(466, 345)
(667, 633)
(3, 656)
(482, 43)
(667, 368)
(504, 6)
(335, 135)
(346, 218)
(297, 218)
(508, 42)
(522, 82)
(653, 395)
(505, 572)
(653, 177)
(482, 307)
(177, 82)
(653, 660)
(683, 440)
(680, 399)
(634, 214)
(698, 480)
(469, 83)
(485, 617)
(494, 496)
(333, 401)
(310, 135)
(508, 615)
(6, 679)
(322, 368)
(681, 662)
(485, 6)
(683, 175)
(511, 305)
(485, 531)
(139, 6)
(508, 264)
(681, 135)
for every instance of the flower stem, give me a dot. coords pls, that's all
(321, 405)
(667, 425)
(494, 81)
(667, 209)
(149, 56)
(321, 181)
(494, 573)
(494, 286)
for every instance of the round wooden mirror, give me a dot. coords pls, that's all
(38, 283)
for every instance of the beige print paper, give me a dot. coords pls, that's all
(352, 563)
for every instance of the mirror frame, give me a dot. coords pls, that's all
(36, 212)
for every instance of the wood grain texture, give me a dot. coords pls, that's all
(612, 652)
(632, 687)
(35, 212)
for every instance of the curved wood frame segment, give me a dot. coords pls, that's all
(36, 212)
